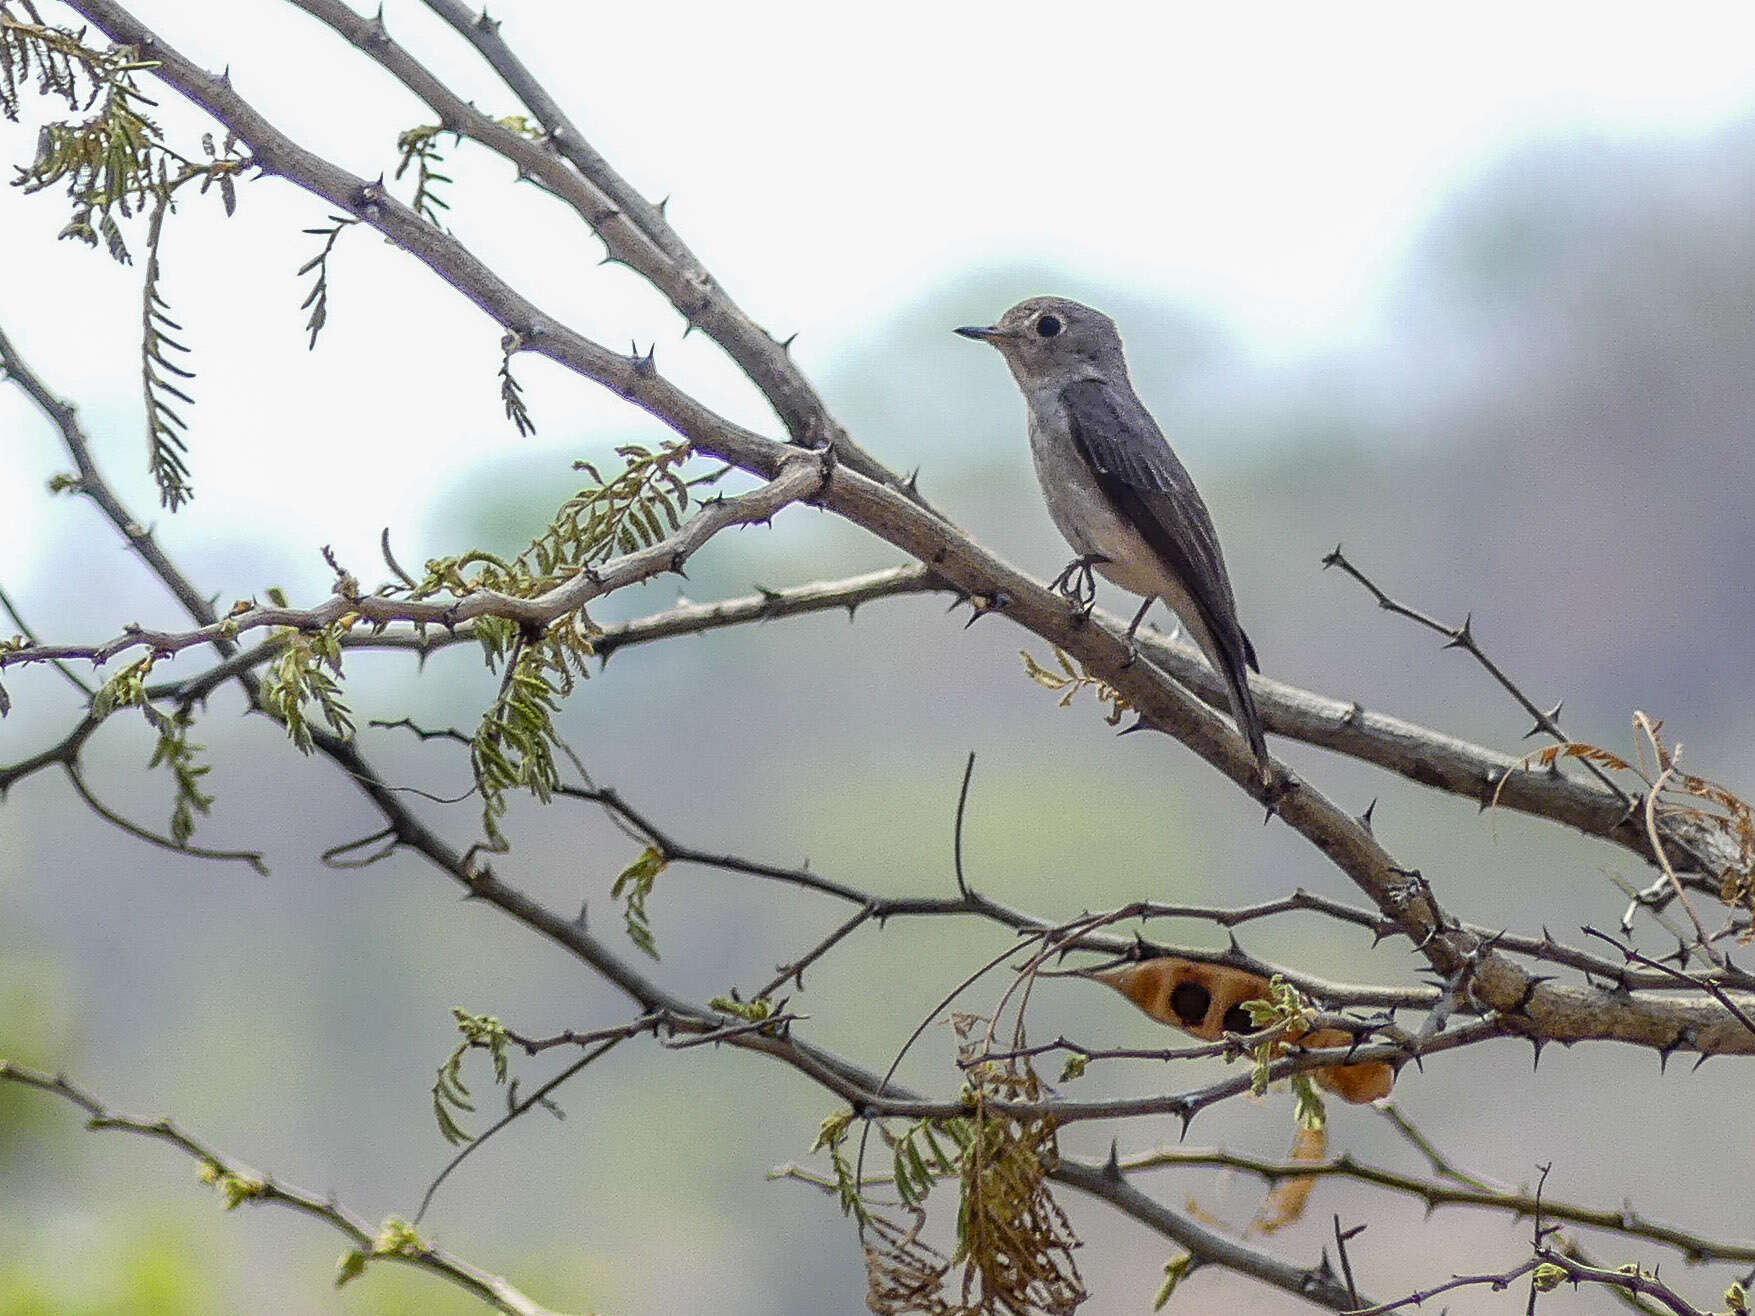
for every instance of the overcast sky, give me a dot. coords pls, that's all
(1266, 163)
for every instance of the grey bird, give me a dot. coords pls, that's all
(1117, 491)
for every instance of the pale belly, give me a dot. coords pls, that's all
(1085, 516)
(1089, 522)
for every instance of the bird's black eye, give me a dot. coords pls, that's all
(1048, 326)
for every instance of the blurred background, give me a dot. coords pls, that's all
(1471, 292)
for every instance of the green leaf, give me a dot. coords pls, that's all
(351, 1266)
(1175, 1271)
(633, 887)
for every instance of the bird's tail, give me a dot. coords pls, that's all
(1236, 675)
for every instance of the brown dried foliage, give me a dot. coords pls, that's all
(1670, 795)
(1014, 1240)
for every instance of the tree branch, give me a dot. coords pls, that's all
(240, 1185)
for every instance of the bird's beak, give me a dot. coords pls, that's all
(991, 333)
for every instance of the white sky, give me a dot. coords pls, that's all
(1269, 163)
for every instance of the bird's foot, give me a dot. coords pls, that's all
(1078, 583)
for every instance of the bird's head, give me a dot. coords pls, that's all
(1047, 339)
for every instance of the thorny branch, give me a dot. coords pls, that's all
(239, 1184)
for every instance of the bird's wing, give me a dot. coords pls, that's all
(1135, 467)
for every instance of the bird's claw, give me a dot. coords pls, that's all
(1078, 583)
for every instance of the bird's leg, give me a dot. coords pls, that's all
(1133, 648)
(1078, 583)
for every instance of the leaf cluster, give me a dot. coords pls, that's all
(1014, 1243)
(395, 1238)
(419, 147)
(1070, 680)
(514, 744)
(450, 1092)
(114, 163)
(1285, 1008)
(234, 1187)
(1013, 1238)
(113, 160)
(175, 753)
(318, 298)
(164, 426)
(632, 888)
(307, 670)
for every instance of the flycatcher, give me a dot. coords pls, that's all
(1117, 491)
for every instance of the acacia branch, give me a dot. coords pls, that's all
(240, 1185)
(1624, 1220)
(798, 478)
(683, 619)
(631, 228)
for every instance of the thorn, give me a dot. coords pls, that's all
(1354, 715)
(1112, 1166)
(1549, 719)
(1684, 1037)
(912, 483)
(1139, 724)
(1490, 784)
(1187, 1113)
(1536, 1045)
(999, 601)
(225, 76)
(486, 24)
(661, 205)
(1364, 819)
(1462, 637)
(786, 342)
(1702, 1059)
(1332, 558)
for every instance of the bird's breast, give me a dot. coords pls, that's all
(1081, 511)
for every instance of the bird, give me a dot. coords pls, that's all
(1117, 491)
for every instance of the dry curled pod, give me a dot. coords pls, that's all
(1208, 1000)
